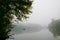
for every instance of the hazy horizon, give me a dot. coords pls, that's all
(43, 11)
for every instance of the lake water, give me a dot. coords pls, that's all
(43, 34)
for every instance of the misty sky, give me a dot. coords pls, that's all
(44, 10)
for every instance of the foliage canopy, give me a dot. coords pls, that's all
(8, 8)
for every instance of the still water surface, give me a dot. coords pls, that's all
(44, 34)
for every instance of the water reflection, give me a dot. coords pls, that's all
(44, 34)
(37, 33)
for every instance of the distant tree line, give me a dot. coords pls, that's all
(54, 27)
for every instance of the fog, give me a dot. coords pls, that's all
(44, 34)
(36, 36)
(43, 11)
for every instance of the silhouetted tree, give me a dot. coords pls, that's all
(54, 27)
(9, 9)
